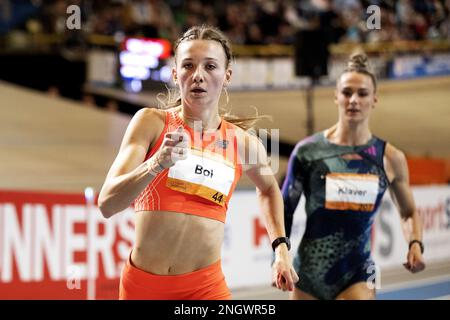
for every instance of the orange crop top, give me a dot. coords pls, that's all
(203, 183)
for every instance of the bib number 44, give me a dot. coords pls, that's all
(218, 197)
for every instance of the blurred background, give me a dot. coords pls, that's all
(72, 74)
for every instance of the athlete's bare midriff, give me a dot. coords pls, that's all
(171, 243)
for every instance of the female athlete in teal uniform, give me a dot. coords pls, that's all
(344, 172)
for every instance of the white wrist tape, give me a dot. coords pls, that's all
(154, 167)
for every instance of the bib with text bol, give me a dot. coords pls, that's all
(205, 174)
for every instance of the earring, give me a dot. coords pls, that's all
(227, 98)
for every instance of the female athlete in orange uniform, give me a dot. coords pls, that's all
(180, 167)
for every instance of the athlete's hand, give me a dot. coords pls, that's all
(175, 146)
(415, 261)
(284, 276)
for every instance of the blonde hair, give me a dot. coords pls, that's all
(172, 99)
(359, 62)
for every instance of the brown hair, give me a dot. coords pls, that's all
(358, 62)
(204, 32)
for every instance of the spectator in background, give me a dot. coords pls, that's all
(405, 18)
(269, 18)
(277, 20)
(254, 35)
(354, 26)
(151, 18)
(142, 18)
(444, 27)
(53, 91)
(112, 106)
(195, 13)
(108, 20)
(420, 27)
(234, 22)
(388, 31)
(5, 11)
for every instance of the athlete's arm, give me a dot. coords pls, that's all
(271, 204)
(292, 189)
(129, 174)
(403, 198)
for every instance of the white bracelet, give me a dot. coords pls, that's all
(161, 168)
(151, 167)
(152, 172)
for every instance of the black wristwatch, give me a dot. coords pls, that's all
(416, 241)
(281, 240)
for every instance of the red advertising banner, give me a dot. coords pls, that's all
(59, 246)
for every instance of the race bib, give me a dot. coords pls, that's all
(351, 191)
(203, 174)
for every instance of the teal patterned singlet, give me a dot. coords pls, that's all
(343, 186)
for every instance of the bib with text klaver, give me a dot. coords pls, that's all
(351, 191)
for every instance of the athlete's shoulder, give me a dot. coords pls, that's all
(310, 141)
(238, 131)
(308, 144)
(146, 120)
(374, 150)
(380, 141)
(146, 124)
(394, 155)
(150, 114)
